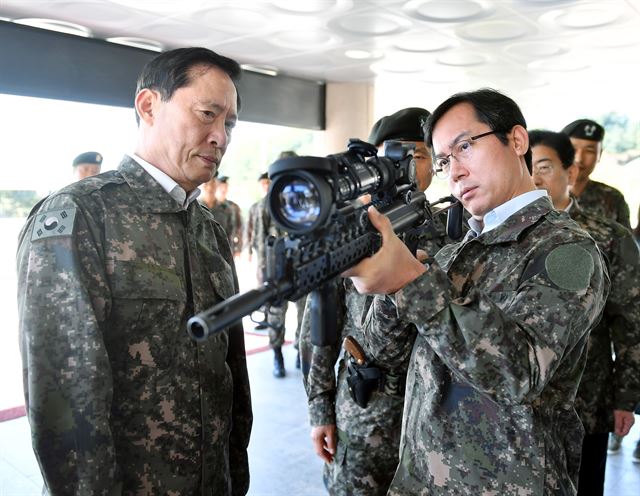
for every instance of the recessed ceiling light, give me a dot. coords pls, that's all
(138, 43)
(499, 30)
(55, 25)
(462, 59)
(358, 54)
(161, 6)
(447, 11)
(267, 70)
(311, 6)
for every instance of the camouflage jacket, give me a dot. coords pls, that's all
(607, 384)
(502, 324)
(120, 400)
(227, 214)
(606, 201)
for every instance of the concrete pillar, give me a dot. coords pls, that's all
(349, 114)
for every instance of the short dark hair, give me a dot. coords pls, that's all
(493, 108)
(559, 142)
(170, 70)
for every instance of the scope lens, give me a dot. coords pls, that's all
(299, 203)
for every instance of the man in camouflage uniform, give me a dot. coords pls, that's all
(120, 400)
(276, 316)
(360, 445)
(250, 234)
(496, 326)
(609, 389)
(595, 197)
(223, 213)
(226, 212)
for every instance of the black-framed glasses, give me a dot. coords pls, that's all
(462, 152)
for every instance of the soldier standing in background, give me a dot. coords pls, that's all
(86, 165)
(120, 400)
(251, 239)
(595, 197)
(609, 389)
(227, 208)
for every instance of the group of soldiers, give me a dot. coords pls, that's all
(360, 443)
(482, 366)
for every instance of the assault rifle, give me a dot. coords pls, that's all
(313, 199)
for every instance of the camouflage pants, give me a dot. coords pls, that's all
(368, 443)
(359, 470)
(277, 317)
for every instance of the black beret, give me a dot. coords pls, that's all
(584, 129)
(222, 179)
(88, 158)
(405, 125)
(264, 175)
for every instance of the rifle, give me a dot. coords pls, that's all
(312, 199)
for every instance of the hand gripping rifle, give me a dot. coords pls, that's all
(313, 200)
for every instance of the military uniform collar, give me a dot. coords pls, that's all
(574, 206)
(511, 228)
(151, 195)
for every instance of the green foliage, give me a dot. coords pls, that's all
(17, 203)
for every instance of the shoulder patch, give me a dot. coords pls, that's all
(570, 267)
(54, 223)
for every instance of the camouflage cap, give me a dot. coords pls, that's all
(88, 158)
(584, 129)
(405, 125)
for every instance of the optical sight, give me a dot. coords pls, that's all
(306, 191)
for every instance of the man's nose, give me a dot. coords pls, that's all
(218, 134)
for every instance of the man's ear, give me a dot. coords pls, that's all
(572, 174)
(520, 139)
(145, 102)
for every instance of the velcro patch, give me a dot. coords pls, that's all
(54, 223)
(570, 267)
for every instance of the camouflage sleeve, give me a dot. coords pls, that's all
(320, 382)
(63, 299)
(623, 311)
(509, 344)
(388, 339)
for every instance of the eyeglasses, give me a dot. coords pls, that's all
(462, 152)
(542, 169)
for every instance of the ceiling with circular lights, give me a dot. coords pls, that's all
(513, 44)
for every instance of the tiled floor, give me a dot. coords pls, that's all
(281, 458)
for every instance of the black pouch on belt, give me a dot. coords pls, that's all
(362, 381)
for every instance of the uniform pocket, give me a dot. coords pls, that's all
(146, 317)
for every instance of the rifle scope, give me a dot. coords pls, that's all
(306, 191)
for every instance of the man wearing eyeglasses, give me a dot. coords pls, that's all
(499, 321)
(609, 389)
